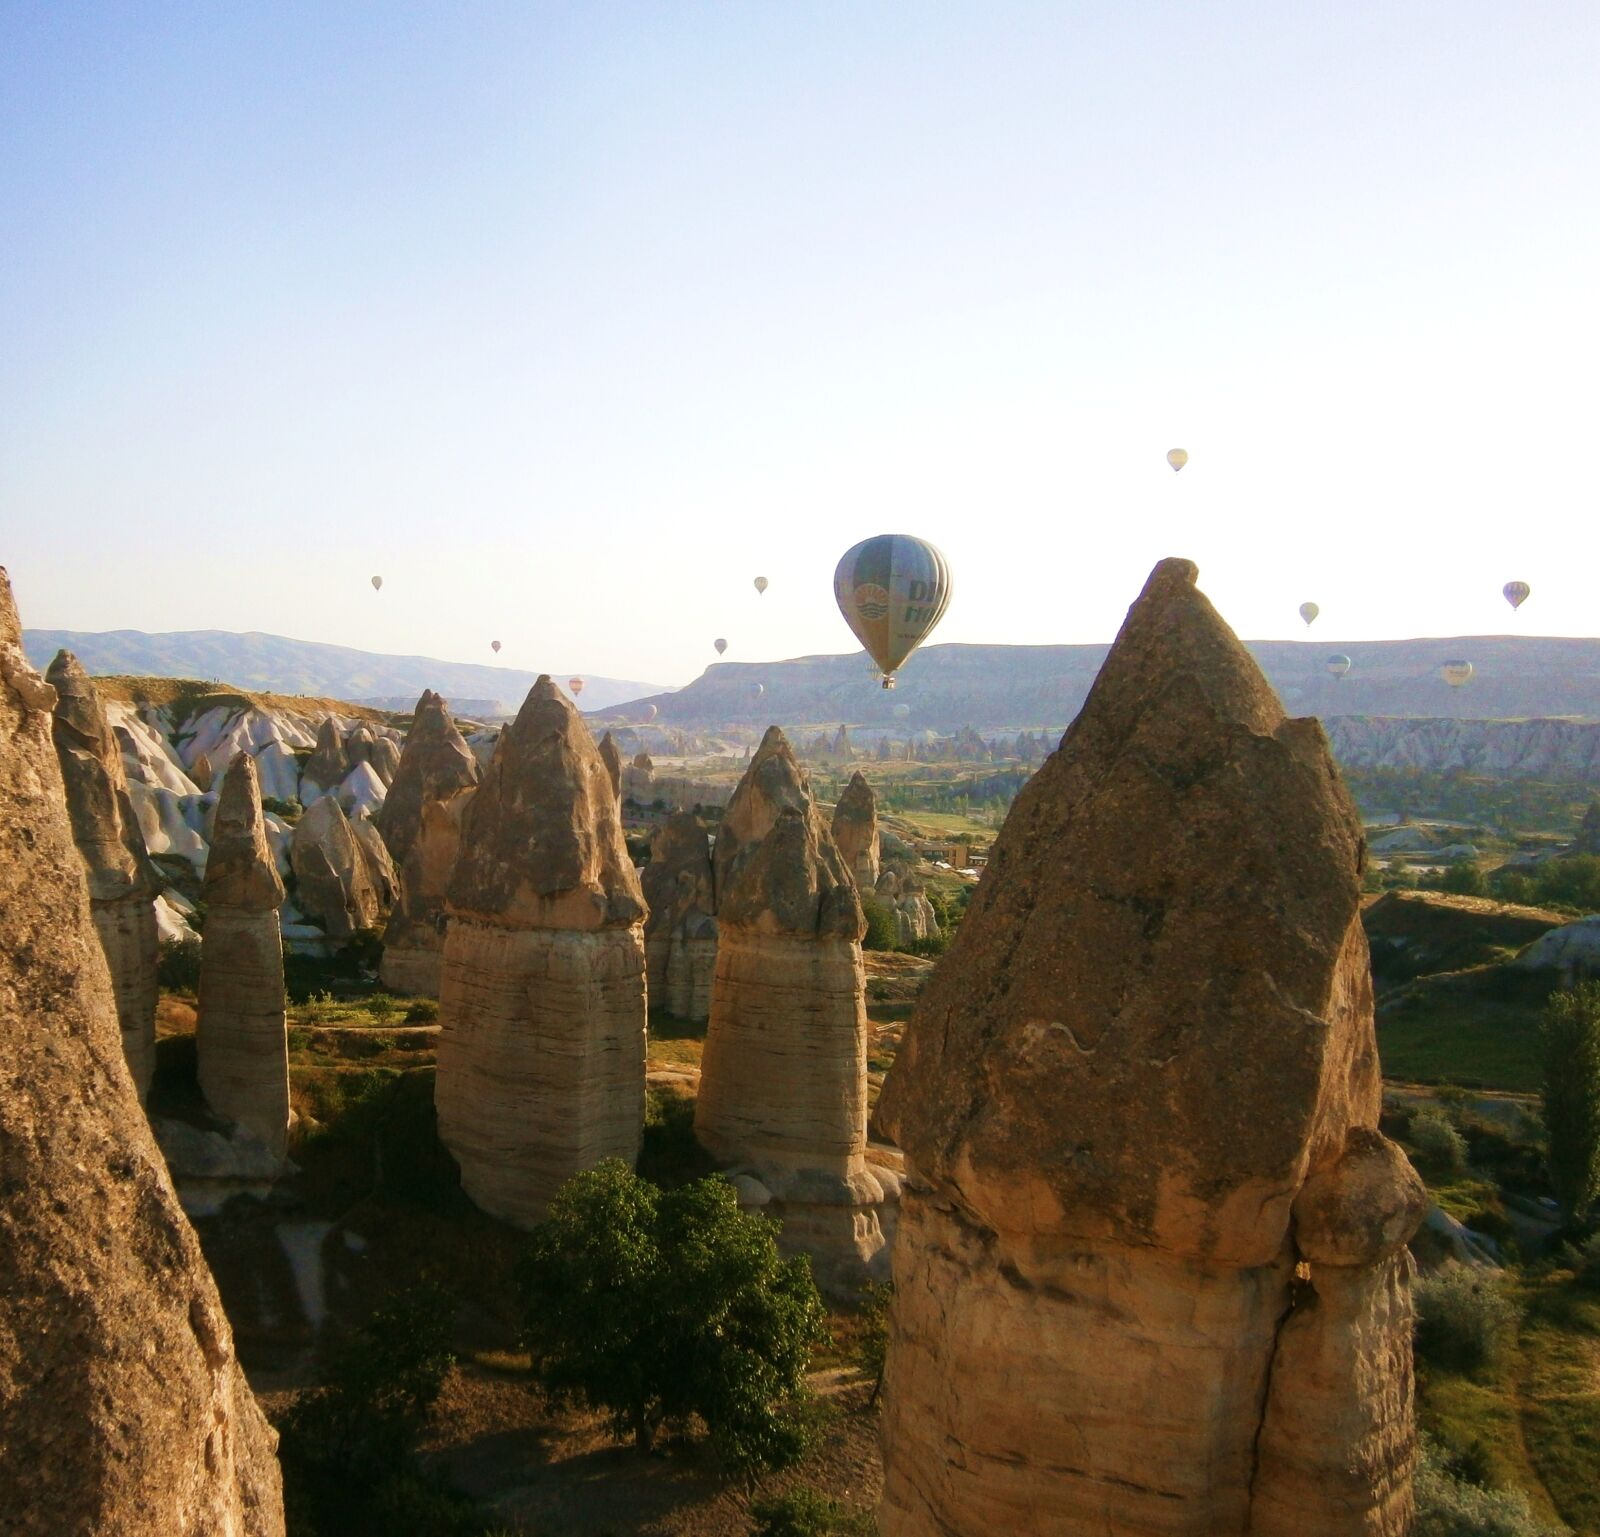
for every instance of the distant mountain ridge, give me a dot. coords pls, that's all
(280, 665)
(946, 687)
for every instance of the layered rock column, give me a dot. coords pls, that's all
(542, 1000)
(421, 824)
(1150, 1273)
(241, 1039)
(855, 830)
(783, 1081)
(123, 1408)
(680, 936)
(122, 885)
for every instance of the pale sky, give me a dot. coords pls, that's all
(572, 319)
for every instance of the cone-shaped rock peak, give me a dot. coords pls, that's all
(239, 869)
(435, 764)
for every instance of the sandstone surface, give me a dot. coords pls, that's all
(435, 763)
(611, 756)
(329, 762)
(122, 1406)
(122, 884)
(542, 997)
(855, 830)
(333, 873)
(680, 935)
(1150, 1273)
(413, 943)
(241, 1039)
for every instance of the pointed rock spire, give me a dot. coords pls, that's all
(855, 830)
(611, 756)
(329, 762)
(435, 764)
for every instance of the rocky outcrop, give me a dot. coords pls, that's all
(380, 867)
(241, 1040)
(436, 764)
(542, 998)
(413, 944)
(639, 780)
(783, 1081)
(1562, 750)
(907, 898)
(1150, 1273)
(680, 936)
(122, 885)
(122, 1406)
(611, 756)
(333, 873)
(329, 762)
(855, 830)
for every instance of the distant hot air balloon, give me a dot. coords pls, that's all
(902, 712)
(494, 646)
(761, 688)
(1338, 666)
(892, 590)
(720, 644)
(1456, 673)
(1309, 612)
(377, 584)
(1516, 593)
(1177, 458)
(652, 712)
(761, 584)
(576, 685)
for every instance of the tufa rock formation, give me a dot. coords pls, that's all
(333, 872)
(435, 764)
(542, 998)
(855, 830)
(680, 936)
(611, 756)
(328, 763)
(1151, 1275)
(639, 780)
(122, 1407)
(241, 1041)
(122, 885)
(783, 1081)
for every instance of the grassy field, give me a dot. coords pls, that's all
(1477, 1028)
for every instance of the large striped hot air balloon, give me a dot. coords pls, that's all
(892, 590)
(1338, 665)
(1516, 593)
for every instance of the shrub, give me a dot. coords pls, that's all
(806, 1512)
(935, 944)
(656, 1306)
(1584, 1258)
(1441, 1149)
(1571, 1096)
(1463, 1315)
(178, 969)
(883, 929)
(872, 1350)
(422, 1011)
(289, 809)
(1450, 1506)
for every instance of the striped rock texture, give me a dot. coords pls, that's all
(680, 936)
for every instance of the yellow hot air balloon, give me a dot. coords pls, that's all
(1516, 593)
(377, 584)
(1177, 458)
(576, 685)
(761, 584)
(892, 590)
(1338, 666)
(720, 644)
(1309, 612)
(1456, 673)
(494, 646)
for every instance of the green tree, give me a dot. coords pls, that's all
(872, 1350)
(883, 932)
(1571, 1033)
(656, 1306)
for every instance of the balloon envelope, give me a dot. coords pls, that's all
(761, 688)
(652, 712)
(902, 712)
(1309, 611)
(1456, 673)
(1177, 457)
(1338, 666)
(720, 644)
(575, 684)
(1516, 593)
(892, 590)
(761, 584)
(377, 583)
(494, 646)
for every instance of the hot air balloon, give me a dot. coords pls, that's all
(652, 712)
(1456, 673)
(1338, 666)
(576, 685)
(1309, 612)
(1177, 458)
(761, 688)
(892, 590)
(902, 712)
(494, 646)
(761, 584)
(1516, 593)
(720, 644)
(377, 584)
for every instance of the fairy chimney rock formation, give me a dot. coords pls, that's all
(680, 935)
(420, 821)
(240, 1040)
(639, 780)
(855, 830)
(123, 1408)
(542, 997)
(611, 756)
(328, 763)
(122, 884)
(1150, 1273)
(334, 883)
(783, 1083)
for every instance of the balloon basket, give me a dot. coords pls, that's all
(888, 682)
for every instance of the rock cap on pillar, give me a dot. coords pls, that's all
(794, 882)
(240, 872)
(611, 756)
(773, 782)
(329, 762)
(435, 764)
